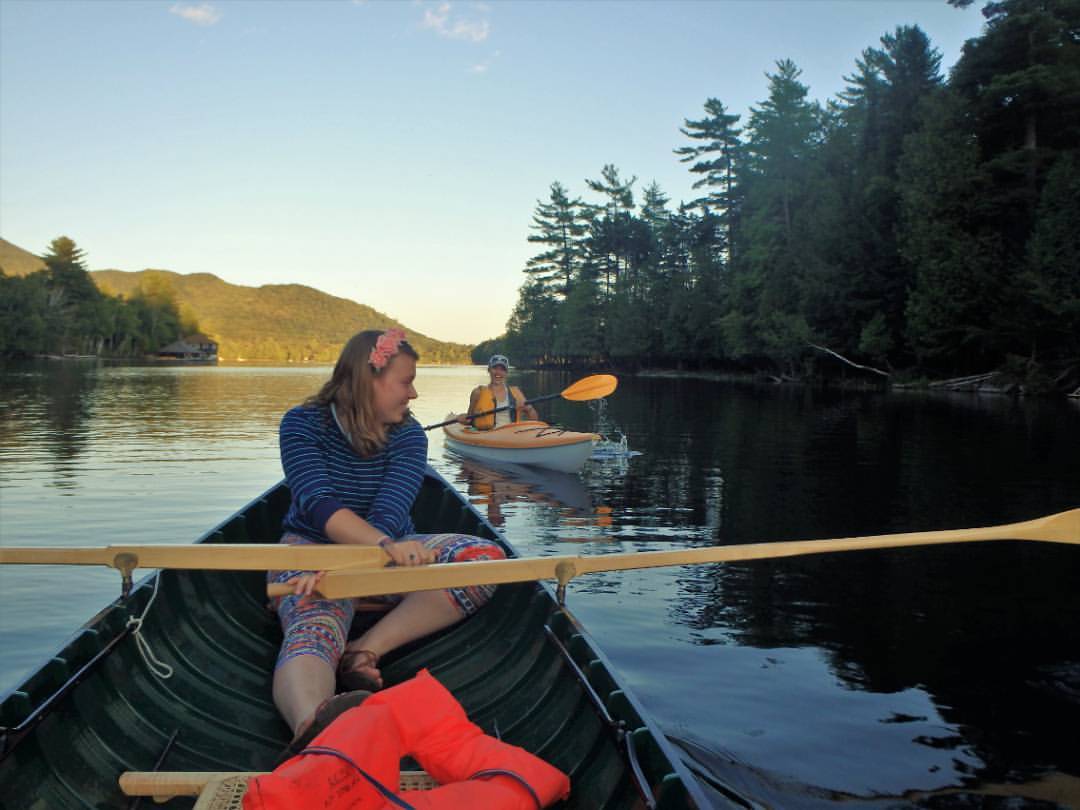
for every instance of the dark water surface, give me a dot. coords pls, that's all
(924, 677)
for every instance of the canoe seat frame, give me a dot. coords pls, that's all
(222, 790)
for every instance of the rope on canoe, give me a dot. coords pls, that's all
(153, 663)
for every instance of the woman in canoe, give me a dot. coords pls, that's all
(354, 459)
(497, 394)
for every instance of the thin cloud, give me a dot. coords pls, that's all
(452, 26)
(485, 66)
(202, 14)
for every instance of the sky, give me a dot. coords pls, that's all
(392, 153)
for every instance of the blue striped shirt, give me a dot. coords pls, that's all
(326, 474)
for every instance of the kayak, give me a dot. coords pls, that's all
(533, 443)
(523, 668)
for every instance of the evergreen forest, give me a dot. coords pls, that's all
(916, 226)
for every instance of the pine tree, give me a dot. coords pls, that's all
(1051, 278)
(610, 232)
(561, 225)
(1022, 80)
(716, 159)
(780, 174)
(73, 301)
(879, 109)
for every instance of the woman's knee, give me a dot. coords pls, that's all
(464, 547)
(316, 627)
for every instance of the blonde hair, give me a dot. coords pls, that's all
(351, 391)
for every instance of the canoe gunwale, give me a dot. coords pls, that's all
(623, 739)
(11, 737)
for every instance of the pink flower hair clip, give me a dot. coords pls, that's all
(385, 348)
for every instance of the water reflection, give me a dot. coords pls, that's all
(871, 679)
(490, 486)
(50, 404)
(972, 649)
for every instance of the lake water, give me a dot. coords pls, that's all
(939, 677)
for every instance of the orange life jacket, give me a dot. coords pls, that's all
(417, 718)
(485, 401)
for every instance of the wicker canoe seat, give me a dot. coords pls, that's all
(221, 790)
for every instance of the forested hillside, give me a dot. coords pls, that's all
(275, 322)
(916, 225)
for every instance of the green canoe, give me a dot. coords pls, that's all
(523, 668)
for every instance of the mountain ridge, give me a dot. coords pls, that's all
(283, 322)
(273, 322)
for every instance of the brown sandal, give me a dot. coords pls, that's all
(329, 711)
(350, 679)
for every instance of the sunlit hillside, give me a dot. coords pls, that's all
(15, 261)
(275, 322)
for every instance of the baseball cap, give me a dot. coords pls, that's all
(498, 360)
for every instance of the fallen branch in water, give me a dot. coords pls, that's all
(849, 362)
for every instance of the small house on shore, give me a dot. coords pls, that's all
(197, 348)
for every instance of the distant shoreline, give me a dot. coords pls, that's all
(993, 383)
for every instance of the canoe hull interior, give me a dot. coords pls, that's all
(95, 710)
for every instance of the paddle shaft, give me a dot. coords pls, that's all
(212, 556)
(1061, 528)
(595, 386)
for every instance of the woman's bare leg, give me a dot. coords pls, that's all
(300, 685)
(417, 615)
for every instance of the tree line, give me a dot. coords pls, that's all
(59, 310)
(913, 226)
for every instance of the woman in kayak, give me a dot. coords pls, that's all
(354, 459)
(497, 394)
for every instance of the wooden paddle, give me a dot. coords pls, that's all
(361, 571)
(209, 556)
(1063, 527)
(596, 386)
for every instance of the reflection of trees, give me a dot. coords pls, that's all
(59, 407)
(990, 631)
(63, 393)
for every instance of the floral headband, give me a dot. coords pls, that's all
(385, 348)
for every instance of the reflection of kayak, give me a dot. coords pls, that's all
(492, 480)
(523, 668)
(535, 443)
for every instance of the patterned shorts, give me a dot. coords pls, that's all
(320, 627)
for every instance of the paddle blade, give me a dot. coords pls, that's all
(1064, 527)
(597, 386)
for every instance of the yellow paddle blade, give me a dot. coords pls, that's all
(597, 386)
